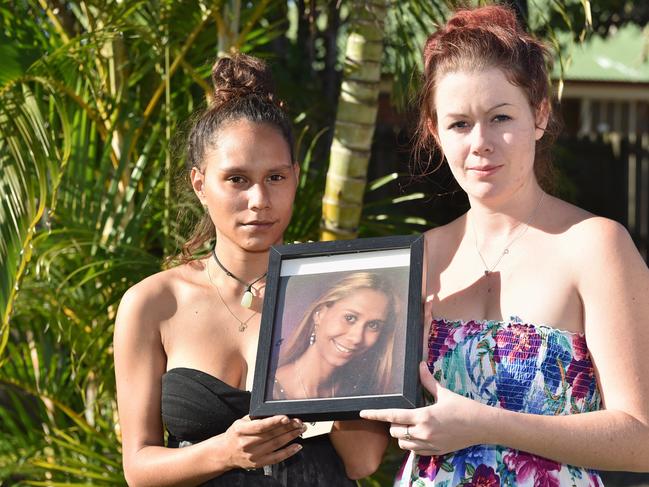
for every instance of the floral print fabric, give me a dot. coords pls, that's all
(515, 366)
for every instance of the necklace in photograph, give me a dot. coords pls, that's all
(246, 298)
(243, 325)
(489, 269)
(299, 378)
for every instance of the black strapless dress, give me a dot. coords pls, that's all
(197, 406)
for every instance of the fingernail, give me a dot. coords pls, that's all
(285, 420)
(297, 447)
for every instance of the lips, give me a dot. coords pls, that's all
(484, 170)
(258, 223)
(342, 349)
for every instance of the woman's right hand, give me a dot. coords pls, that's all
(254, 443)
(451, 424)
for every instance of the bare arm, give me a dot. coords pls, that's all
(613, 282)
(360, 444)
(140, 362)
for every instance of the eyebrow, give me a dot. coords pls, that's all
(498, 106)
(352, 310)
(242, 169)
(447, 115)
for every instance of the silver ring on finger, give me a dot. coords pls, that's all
(407, 436)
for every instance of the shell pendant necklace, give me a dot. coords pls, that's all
(243, 325)
(246, 299)
(489, 269)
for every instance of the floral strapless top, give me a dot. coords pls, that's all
(515, 366)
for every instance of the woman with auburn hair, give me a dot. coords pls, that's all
(343, 343)
(186, 338)
(538, 310)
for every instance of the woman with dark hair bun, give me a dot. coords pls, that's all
(185, 338)
(538, 310)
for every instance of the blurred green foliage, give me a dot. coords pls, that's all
(95, 96)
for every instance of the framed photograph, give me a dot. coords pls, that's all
(340, 329)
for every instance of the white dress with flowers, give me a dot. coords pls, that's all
(515, 366)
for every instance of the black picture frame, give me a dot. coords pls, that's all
(389, 258)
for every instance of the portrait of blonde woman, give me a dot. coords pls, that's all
(344, 342)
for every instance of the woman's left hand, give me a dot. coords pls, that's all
(452, 423)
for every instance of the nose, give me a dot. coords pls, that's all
(480, 140)
(356, 334)
(258, 197)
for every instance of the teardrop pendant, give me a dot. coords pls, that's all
(246, 299)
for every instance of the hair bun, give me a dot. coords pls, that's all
(239, 76)
(486, 17)
(493, 20)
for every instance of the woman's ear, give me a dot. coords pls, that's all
(296, 170)
(319, 313)
(197, 178)
(432, 130)
(316, 316)
(541, 118)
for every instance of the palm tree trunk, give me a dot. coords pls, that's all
(354, 128)
(228, 25)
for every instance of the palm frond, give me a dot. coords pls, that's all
(33, 156)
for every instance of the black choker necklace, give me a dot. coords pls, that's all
(246, 299)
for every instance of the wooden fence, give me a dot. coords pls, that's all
(619, 118)
(634, 156)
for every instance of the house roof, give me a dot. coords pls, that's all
(620, 57)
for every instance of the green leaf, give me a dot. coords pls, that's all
(447, 467)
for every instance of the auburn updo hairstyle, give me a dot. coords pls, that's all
(243, 90)
(483, 38)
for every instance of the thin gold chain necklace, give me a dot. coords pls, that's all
(243, 325)
(489, 269)
(299, 378)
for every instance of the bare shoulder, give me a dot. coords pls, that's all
(594, 238)
(445, 237)
(612, 282)
(155, 299)
(595, 246)
(445, 231)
